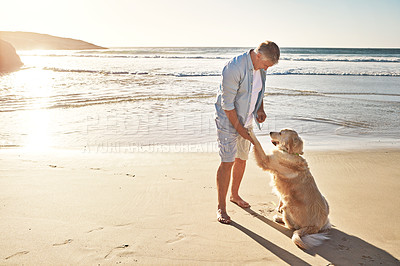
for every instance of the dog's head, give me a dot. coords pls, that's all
(287, 140)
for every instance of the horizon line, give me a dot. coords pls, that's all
(224, 46)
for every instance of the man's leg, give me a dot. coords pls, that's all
(223, 179)
(238, 172)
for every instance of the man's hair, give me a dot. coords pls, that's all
(269, 50)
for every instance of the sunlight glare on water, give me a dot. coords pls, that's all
(36, 85)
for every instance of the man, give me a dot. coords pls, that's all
(239, 101)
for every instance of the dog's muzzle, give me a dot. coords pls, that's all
(275, 142)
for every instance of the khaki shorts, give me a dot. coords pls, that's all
(231, 144)
(243, 148)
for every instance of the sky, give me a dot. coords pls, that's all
(289, 23)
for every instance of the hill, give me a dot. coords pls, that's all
(33, 41)
(9, 60)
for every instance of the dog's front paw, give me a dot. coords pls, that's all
(278, 219)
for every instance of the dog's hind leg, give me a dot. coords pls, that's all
(288, 220)
(279, 208)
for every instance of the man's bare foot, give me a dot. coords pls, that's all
(223, 217)
(240, 202)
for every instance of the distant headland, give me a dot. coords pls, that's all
(9, 60)
(37, 41)
(11, 41)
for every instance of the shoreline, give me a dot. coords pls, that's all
(64, 206)
(313, 143)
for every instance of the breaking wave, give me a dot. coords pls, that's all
(305, 58)
(208, 74)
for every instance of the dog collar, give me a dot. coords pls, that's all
(291, 153)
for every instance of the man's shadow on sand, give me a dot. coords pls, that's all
(341, 249)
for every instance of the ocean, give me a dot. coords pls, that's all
(155, 99)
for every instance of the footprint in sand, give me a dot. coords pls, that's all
(127, 224)
(63, 243)
(55, 166)
(343, 247)
(119, 247)
(30, 161)
(365, 257)
(173, 178)
(179, 236)
(17, 254)
(96, 229)
(266, 211)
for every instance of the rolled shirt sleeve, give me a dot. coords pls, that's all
(230, 85)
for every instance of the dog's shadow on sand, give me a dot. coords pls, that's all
(341, 249)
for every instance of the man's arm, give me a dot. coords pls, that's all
(261, 116)
(232, 116)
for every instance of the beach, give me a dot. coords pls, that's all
(110, 130)
(104, 208)
(110, 157)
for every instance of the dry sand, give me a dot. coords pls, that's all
(70, 207)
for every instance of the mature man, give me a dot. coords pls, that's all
(239, 101)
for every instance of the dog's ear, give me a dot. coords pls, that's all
(284, 145)
(289, 145)
(293, 145)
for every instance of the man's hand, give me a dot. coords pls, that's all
(232, 116)
(261, 116)
(245, 134)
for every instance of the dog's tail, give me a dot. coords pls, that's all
(261, 158)
(305, 240)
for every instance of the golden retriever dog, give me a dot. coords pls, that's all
(303, 207)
